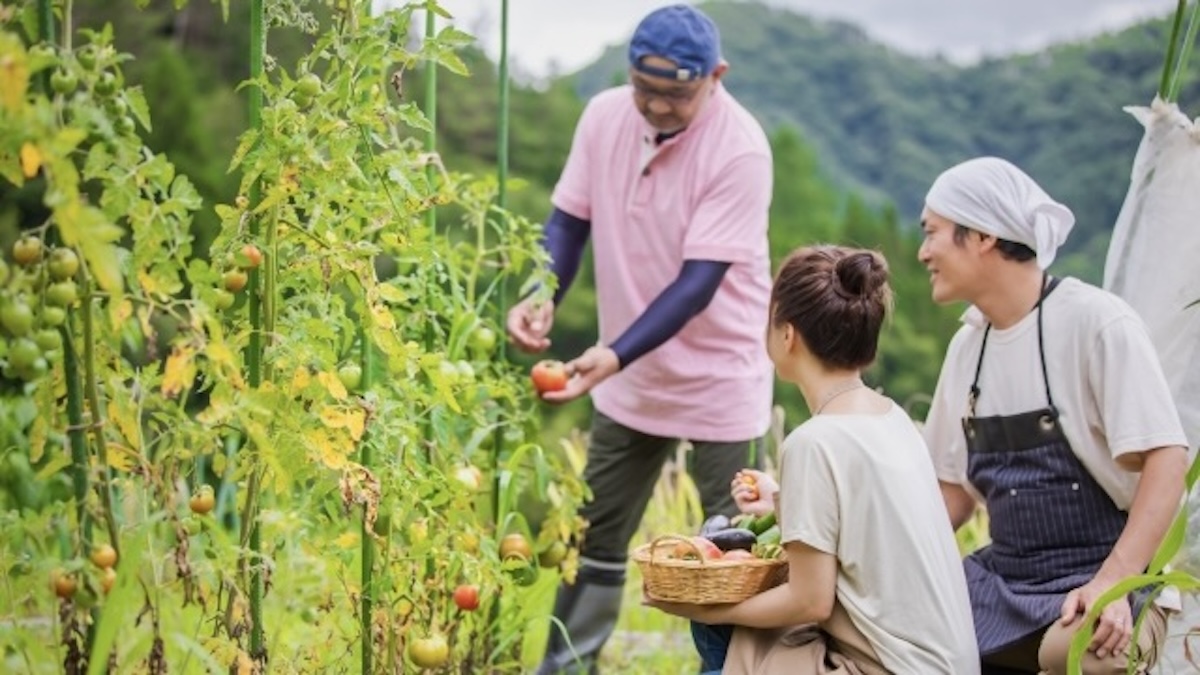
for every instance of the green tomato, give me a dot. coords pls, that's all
(22, 354)
(124, 126)
(86, 56)
(16, 317)
(483, 341)
(35, 371)
(350, 375)
(223, 299)
(62, 294)
(27, 251)
(63, 264)
(48, 339)
(309, 85)
(107, 84)
(53, 317)
(63, 82)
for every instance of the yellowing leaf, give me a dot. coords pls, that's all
(383, 317)
(14, 73)
(331, 449)
(356, 423)
(180, 371)
(300, 379)
(31, 160)
(126, 424)
(148, 283)
(347, 541)
(353, 421)
(333, 418)
(119, 457)
(333, 385)
(245, 665)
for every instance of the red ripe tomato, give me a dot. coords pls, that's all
(549, 375)
(466, 597)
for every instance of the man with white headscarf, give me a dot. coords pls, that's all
(1052, 411)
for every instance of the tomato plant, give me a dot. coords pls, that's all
(245, 422)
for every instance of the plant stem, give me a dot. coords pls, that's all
(92, 389)
(368, 543)
(76, 433)
(1164, 86)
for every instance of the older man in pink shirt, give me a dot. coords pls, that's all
(670, 178)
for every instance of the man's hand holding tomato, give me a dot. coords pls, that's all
(588, 370)
(528, 325)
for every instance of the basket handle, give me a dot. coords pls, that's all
(668, 538)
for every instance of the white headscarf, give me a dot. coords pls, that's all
(992, 196)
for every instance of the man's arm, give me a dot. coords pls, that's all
(564, 238)
(960, 505)
(1155, 503)
(683, 299)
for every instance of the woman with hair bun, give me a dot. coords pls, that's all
(875, 582)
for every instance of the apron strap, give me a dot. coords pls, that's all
(973, 394)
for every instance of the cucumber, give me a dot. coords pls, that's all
(733, 537)
(771, 535)
(742, 520)
(762, 523)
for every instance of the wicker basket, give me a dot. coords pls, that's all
(704, 582)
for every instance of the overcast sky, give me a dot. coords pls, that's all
(568, 34)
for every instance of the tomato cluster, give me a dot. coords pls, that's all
(36, 291)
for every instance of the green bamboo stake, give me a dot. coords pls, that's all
(502, 202)
(258, 44)
(45, 14)
(431, 113)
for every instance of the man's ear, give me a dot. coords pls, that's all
(987, 242)
(719, 71)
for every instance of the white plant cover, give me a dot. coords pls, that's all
(1154, 264)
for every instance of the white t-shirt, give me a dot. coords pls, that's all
(704, 194)
(1104, 376)
(861, 487)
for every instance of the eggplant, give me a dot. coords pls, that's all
(733, 537)
(714, 524)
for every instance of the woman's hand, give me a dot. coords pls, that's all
(754, 492)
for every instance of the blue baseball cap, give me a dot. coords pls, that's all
(681, 34)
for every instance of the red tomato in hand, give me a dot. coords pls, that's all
(549, 375)
(466, 597)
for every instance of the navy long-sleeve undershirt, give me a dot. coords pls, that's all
(685, 297)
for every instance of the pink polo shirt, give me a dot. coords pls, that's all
(702, 195)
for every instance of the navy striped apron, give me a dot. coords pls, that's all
(1051, 524)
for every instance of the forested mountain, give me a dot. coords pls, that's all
(884, 123)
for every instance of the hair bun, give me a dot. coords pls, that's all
(859, 274)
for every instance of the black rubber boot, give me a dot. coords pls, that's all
(588, 609)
